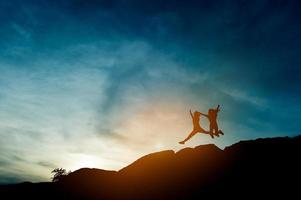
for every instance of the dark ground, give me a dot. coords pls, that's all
(262, 168)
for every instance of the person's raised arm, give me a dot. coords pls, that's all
(190, 113)
(218, 108)
(204, 114)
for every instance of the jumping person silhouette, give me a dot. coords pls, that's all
(212, 117)
(196, 126)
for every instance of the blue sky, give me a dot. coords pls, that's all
(101, 83)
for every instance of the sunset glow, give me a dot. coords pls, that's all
(99, 84)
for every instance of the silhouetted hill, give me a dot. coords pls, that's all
(262, 168)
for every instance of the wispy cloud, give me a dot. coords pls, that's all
(243, 96)
(25, 34)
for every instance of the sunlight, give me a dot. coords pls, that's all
(84, 161)
(159, 146)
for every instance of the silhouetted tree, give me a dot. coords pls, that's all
(59, 173)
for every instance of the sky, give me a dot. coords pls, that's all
(101, 83)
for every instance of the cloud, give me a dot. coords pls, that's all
(46, 164)
(242, 96)
(21, 31)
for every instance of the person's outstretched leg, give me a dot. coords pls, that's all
(215, 129)
(207, 132)
(193, 132)
(221, 132)
(211, 133)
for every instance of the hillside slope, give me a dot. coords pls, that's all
(256, 168)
